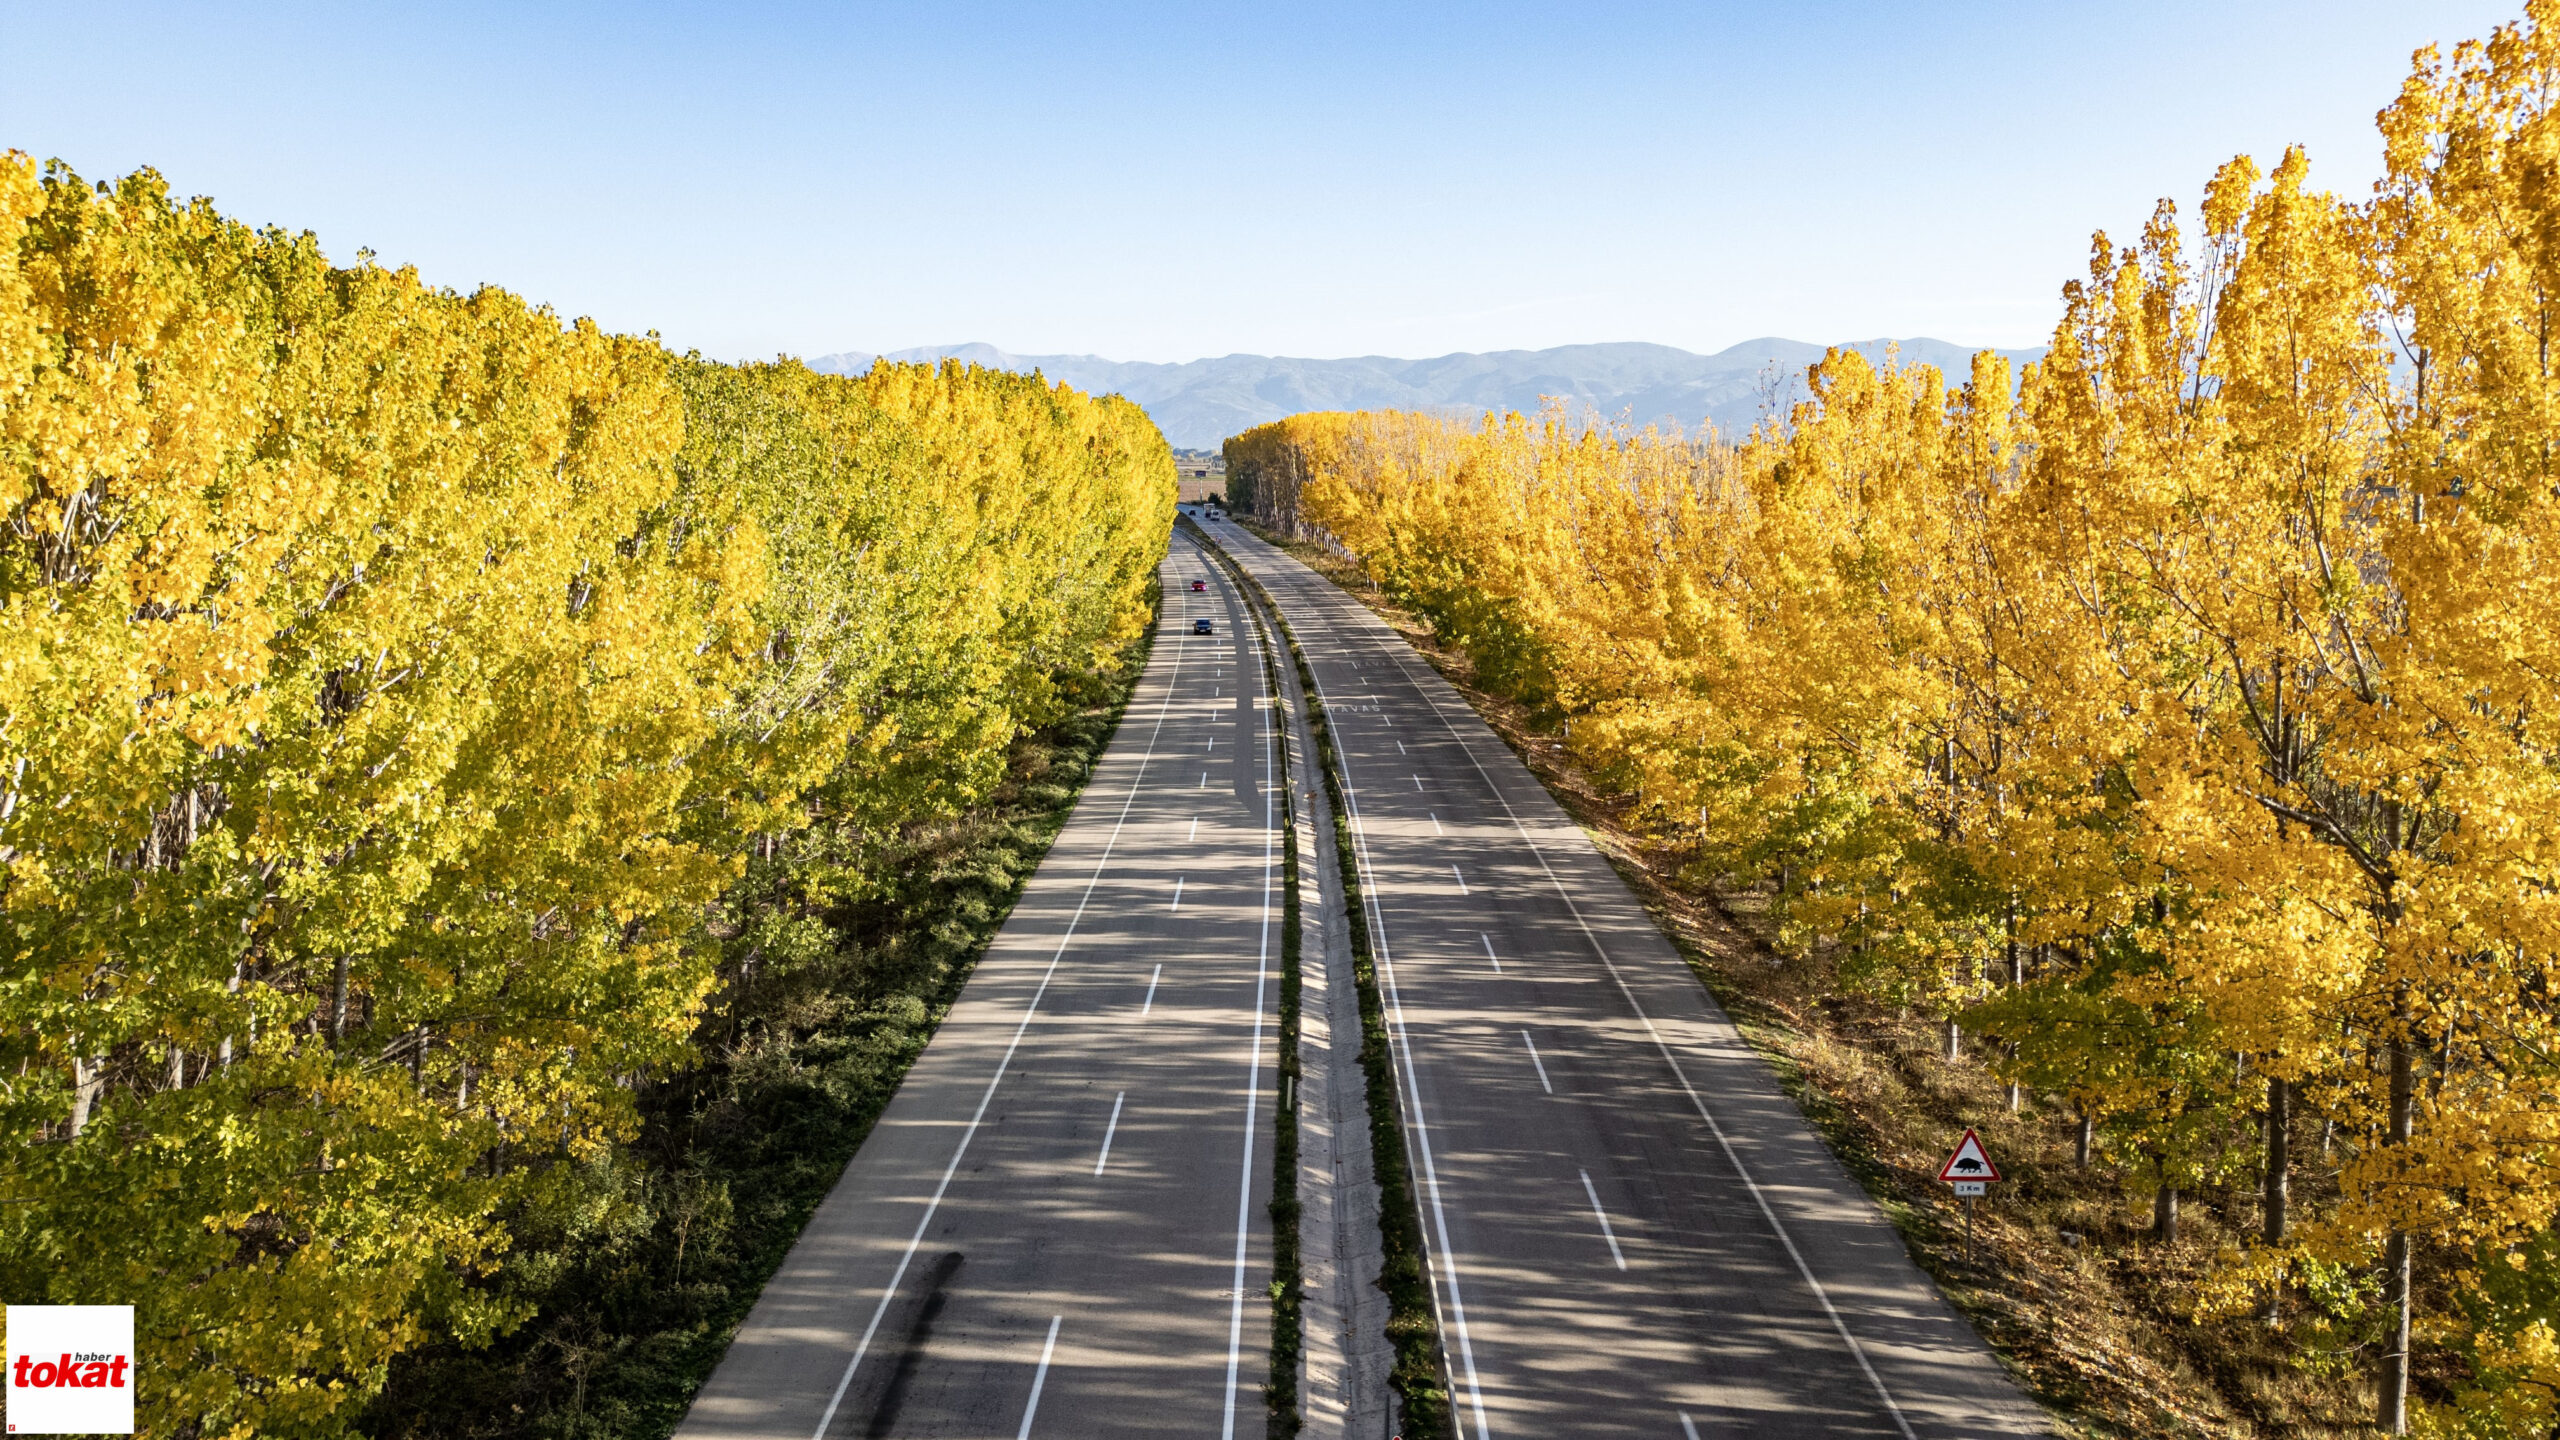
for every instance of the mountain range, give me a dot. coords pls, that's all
(1198, 403)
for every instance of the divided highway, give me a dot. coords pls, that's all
(1632, 1230)
(1060, 1224)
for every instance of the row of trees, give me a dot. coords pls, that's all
(392, 682)
(2178, 716)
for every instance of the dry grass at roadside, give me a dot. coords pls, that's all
(2092, 1319)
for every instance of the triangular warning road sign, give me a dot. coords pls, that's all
(1969, 1162)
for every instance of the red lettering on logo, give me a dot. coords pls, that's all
(33, 1374)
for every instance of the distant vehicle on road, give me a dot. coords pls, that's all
(1201, 627)
(1199, 585)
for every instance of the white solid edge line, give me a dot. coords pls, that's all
(1253, 1058)
(1039, 1378)
(1605, 1232)
(863, 1346)
(1108, 1131)
(1412, 1087)
(1768, 1212)
(1534, 1060)
(1152, 982)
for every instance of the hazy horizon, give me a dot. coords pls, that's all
(906, 352)
(1197, 403)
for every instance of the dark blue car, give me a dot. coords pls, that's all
(1201, 627)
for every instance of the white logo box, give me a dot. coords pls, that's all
(70, 1370)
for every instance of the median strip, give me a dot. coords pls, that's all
(1420, 1373)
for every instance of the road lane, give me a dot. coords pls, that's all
(1059, 1225)
(1637, 1234)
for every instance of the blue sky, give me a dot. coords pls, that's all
(1163, 182)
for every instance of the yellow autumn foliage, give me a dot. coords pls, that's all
(2176, 715)
(389, 681)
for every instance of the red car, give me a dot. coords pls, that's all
(1199, 585)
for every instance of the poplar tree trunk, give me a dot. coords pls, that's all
(2164, 1215)
(224, 1050)
(2279, 1186)
(2012, 960)
(2279, 1183)
(2080, 1144)
(2396, 1261)
(1955, 1042)
(86, 1081)
(2017, 977)
(2395, 1359)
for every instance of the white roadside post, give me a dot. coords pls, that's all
(1970, 1170)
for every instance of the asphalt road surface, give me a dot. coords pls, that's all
(1632, 1231)
(1060, 1224)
